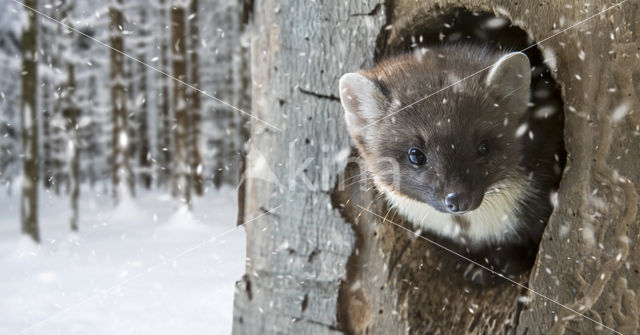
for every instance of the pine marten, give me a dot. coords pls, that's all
(470, 163)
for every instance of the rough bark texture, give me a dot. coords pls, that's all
(313, 270)
(29, 124)
(297, 253)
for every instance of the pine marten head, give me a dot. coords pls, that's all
(438, 134)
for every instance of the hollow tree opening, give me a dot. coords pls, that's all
(415, 272)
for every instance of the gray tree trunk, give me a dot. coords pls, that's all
(298, 251)
(29, 124)
(318, 263)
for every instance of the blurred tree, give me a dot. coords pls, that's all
(46, 41)
(29, 125)
(70, 109)
(47, 168)
(131, 120)
(52, 68)
(180, 167)
(121, 169)
(71, 113)
(144, 146)
(164, 125)
(196, 179)
(10, 100)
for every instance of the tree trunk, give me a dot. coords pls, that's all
(299, 242)
(144, 146)
(47, 164)
(164, 135)
(71, 114)
(243, 101)
(319, 262)
(133, 141)
(180, 167)
(69, 111)
(196, 178)
(53, 142)
(29, 124)
(121, 170)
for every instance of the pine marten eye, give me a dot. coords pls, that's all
(483, 148)
(416, 156)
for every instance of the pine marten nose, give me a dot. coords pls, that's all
(457, 202)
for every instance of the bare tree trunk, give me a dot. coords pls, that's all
(71, 113)
(53, 148)
(318, 262)
(164, 135)
(144, 146)
(196, 177)
(133, 141)
(180, 166)
(47, 164)
(144, 151)
(243, 96)
(299, 242)
(29, 124)
(94, 154)
(121, 170)
(69, 109)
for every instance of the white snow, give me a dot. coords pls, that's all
(495, 23)
(522, 129)
(620, 111)
(146, 267)
(550, 58)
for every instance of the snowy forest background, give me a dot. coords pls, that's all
(126, 115)
(162, 130)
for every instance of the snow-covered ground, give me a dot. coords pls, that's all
(145, 267)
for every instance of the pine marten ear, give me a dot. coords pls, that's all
(362, 100)
(509, 80)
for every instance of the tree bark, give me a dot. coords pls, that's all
(299, 242)
(121, 170)
(29, 124)
(319, 262)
